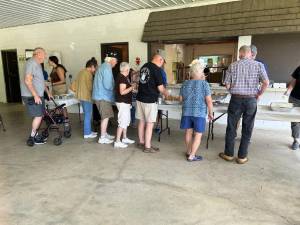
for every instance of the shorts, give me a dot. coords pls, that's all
(105, 109)
(33, 109)
(146, 111)
(195, 123)
(124, 114)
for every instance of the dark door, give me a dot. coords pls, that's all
(11, 75)
(121, 49)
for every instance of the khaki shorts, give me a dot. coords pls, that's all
(105, 109)
(146, 111)
(124, 115)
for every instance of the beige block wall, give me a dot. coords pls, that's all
(77, 40)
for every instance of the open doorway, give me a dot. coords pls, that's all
(121, 49)
(11, 75)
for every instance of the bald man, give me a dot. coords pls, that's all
(150, 86)
(32, 91)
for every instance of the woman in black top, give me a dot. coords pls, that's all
(294, 92)
(58, 77)
(123, 101)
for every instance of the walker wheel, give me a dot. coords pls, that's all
(67, 134)
(57, 141)
(30, 142)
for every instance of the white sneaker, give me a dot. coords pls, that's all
(120, 145)
(91, 135)
(96, 133)
(110, 137)
(127, 141)
(105, 140)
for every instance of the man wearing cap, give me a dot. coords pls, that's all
(103, 94)
(150, 85)
(242, 80)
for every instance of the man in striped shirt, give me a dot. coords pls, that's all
(246, 80)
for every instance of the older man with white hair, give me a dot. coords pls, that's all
(103, 94)
(32, 91)
(243, 79)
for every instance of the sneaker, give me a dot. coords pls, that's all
(120, 145)
(91, 135)
(195, 158)
(105, 140)
(295, 145)
(95, 133)
(39, 140)
(110, 137)
(127, 141)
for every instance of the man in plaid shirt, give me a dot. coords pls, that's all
(246, 80)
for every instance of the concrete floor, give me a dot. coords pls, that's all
(84, 183)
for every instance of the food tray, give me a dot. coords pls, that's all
(168, 102)
(281, 106)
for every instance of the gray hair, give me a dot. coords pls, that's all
(253, 49)
(245, 48)
(197, 69)
(37, 50)
(108, 59)
(124, 66)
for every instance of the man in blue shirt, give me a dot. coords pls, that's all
(103, 94)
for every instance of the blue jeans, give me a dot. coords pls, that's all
(87, 110)
(245, 108)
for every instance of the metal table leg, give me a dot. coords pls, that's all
(211, 129)
(167, 128)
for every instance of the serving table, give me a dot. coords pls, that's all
(263, 113)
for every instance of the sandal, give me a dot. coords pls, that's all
(155, 148)
(226, 157)
(149, 150)
(140, 145)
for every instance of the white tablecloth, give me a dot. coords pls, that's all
(263, 112)
(68, 102)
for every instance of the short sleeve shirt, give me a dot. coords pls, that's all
(244, 77)
(35, 69)
(150, 79)
(121, 79)
(296, 90)
(193, 93)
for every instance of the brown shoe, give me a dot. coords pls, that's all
(140, 146)
(152, 149)
(242, 161)
(226, 157)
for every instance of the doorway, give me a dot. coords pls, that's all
(11, 75)
(121, 49)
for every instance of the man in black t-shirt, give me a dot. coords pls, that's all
(150, 85)
(294, 92)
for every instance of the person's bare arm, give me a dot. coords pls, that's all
(28, 83)
(209, 104)
(124, 90)
(290, 87)
(227, 86)
(163, 90)
(264, 86)
(61, 74)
